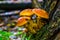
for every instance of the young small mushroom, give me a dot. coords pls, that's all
(22, 20)
(41, 13)
(26, 12)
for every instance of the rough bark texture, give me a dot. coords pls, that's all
(49, 31)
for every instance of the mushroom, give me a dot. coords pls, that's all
(22, 20)
(41, 13)
(25, 30)
(26, 12)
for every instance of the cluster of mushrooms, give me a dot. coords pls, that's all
(31, 19)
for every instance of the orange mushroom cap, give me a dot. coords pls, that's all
(40, 12)
(26, 12)
(22, 20)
